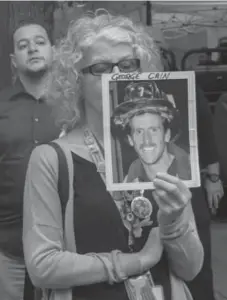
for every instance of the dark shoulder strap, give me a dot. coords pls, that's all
(30, 293)
(63, 178)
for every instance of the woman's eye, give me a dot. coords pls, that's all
(22, 46)
(40, 42)
(139, 131)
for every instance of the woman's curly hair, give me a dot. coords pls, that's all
(64, 89)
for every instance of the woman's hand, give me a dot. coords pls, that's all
(171, 195)
(152, 250)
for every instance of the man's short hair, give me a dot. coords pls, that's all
(28, 22)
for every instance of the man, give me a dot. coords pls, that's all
(220, 122)
(25, 122)
(202, 286)
(208, 152)
(205, 199)
(146, 116)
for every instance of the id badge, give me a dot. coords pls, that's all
(143, 288)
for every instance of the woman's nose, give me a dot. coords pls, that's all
(115, 69)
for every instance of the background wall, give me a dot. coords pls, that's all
(5, 72)
(62, 16)
(58, 14)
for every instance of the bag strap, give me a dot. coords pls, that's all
(65, 191)
(68, 206)
(66, 194)
(63, 178)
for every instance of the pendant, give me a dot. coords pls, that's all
(141, 207)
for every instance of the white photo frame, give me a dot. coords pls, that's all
(180, 90)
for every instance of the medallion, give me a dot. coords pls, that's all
(141, 207)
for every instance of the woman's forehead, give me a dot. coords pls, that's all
(104, 49)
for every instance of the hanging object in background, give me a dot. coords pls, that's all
(181, 31)
(79, 4)
(179, 20)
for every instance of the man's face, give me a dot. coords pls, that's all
(148, 137)
(32, 49)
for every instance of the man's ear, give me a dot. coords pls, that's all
(13, 60)
(167, 135)
(130, 140)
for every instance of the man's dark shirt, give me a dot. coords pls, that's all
(220, 127)
(206, 140)
(25, 122)
(207, 155)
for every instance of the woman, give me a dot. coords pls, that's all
(111, 259)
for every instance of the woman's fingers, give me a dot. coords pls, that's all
(170, 193)
(167, 177)
(173, 187)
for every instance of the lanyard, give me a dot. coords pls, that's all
(95, 152)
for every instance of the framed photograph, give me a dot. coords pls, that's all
(150, 126)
